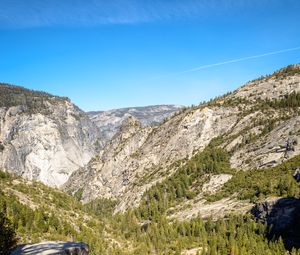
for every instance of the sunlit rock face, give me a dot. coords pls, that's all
(138, 151)
(45, 143)
(139, 156)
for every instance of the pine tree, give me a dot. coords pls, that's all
(7, 235)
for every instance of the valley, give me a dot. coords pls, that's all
(216, 178)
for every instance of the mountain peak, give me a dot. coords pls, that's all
(109, 122)
(274, 86)
(131, 121)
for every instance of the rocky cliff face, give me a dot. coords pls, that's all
(138, 153)
(109, 122)
(43, 137)
(250, 122)
(282, 217)
(281, 213)
(265, 136)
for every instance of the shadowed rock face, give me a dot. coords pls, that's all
(297, 175)
(51, 248)
(282, 217)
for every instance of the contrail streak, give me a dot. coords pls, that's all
(239, 60)
(228, 62)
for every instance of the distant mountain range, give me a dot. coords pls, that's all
(110, 121)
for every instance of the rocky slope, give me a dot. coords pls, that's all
(200, 207)
(43, 137)
(110, 121)
(253, 124)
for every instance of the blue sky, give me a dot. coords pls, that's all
(119, 53)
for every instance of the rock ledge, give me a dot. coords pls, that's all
(52, 248)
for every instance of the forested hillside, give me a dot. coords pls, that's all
(41, 213)
(34, 101)
(37, 212)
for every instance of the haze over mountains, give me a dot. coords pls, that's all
(110, 121)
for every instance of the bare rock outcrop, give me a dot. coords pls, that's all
(278, 145)
(52, 248)
(275, 86)
(44, 142)
(200, 207)
(296, 175)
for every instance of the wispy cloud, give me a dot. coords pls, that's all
(39, 13)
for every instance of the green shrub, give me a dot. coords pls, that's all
(7, 235)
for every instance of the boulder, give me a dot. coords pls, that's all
(52, 248)
(297, 175)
